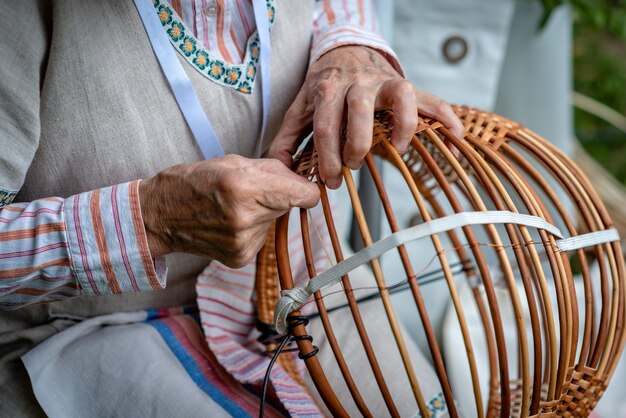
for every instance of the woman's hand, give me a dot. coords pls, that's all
(220, 208)
(350, 82)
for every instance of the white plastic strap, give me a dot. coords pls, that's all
(293, 299)
(263, 29)
(587, 240)
(181, 86)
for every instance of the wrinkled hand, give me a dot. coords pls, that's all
(221, 208)
(351, 82)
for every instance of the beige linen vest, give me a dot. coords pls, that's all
(108, 116)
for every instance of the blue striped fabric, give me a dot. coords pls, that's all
(194, 370)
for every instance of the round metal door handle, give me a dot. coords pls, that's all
(454, 49)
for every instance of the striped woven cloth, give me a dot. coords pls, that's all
(226, 304)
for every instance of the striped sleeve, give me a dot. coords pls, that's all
(92, 243)
(348, 22)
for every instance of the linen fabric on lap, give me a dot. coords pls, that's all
(148, 363)
(156, 363)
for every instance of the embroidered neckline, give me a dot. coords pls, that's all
(238, 76)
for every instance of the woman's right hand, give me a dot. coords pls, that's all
(220, 208)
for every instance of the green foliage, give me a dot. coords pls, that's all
(599, 72)
(607, 16)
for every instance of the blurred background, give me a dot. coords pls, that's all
(599, 55)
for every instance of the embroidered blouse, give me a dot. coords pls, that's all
(94, 243)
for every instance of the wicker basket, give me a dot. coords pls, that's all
(503, 168)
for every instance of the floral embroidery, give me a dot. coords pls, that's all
(244, 87)
(6, 197)
(250, 71)
(176, 32)
(201, 60)
(188, 45)
(232, 76)
(217, 69)
(165, 14)
(254, 49)
(238, 76)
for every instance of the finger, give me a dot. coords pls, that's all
(297, 118)
(399, 94)
(279, 193)
(441, 111)
(329, 102)
(361, 102)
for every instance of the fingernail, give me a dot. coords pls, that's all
(333, 183)
(354, 164)
(402, 147)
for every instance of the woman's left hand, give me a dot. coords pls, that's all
(349, 83)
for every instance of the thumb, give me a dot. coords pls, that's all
(282, 192)
(297, 118)
(304, 195)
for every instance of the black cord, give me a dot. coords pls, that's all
(266, 379)
(292, 322)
